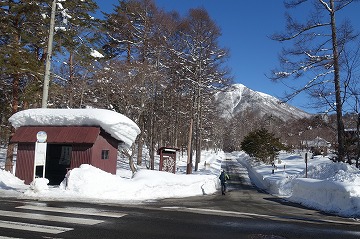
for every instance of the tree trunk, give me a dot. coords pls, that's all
(71, 80)
(152, 153)
(140, 141)
(198, 128)
(189, 149)
(358, 140)
(9, 156)
(152, 127)
(128, 52)
(139, 150)
(339, 117)
(152, 142)
(15, 103)
(130, 158)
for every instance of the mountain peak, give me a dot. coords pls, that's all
(238, 99)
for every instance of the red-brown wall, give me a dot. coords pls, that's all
(80, 154)
(25, 162)
(105, 142)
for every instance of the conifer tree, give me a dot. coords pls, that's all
(21, 56)
(262, 145)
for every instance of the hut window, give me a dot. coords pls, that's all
(105, 154)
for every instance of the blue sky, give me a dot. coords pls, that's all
(246, 27)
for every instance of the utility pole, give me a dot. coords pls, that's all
(48, 57)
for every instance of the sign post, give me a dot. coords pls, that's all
(40, 152)
(306, 165)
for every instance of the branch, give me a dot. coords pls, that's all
(294, 3)
(281, 38)
(313, 82)
(326, 5)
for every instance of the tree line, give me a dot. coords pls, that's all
(162, 69)
(158, 68)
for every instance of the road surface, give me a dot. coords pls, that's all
(244, 212)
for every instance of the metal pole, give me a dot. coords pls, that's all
(306, 165)
(48, 57)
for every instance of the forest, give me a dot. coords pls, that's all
(156, 67)
(160, 69)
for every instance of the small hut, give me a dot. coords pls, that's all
(167, 159)
(74, 137)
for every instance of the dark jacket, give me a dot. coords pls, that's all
(223, 177)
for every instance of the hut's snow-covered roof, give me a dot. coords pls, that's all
(117, 125)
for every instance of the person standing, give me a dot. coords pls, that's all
(223, 178)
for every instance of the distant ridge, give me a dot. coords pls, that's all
(238, 99)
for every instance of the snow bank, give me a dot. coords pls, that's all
(8, 180)
(255, 174)
(329, 196)
(210, 164)
(118, 125)
(337, 187)
(330, 187)
(10, 185)
(88, 182)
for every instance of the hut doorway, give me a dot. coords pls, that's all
(58, 158)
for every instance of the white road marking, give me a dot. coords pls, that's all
(33, 227)
(252, 215)
(2, 237)
(82, 211)
(212, 211)
(230, 212)
(83, 221)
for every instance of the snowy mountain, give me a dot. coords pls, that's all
(239, 99)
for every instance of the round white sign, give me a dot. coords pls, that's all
(41, 136)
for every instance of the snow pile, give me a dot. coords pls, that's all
(90, 183)
(39, 185)
(11, 186)
(341, 172)
(116, 124)
(330, 187)
(180, 185)
(9, 181)
(337, 187)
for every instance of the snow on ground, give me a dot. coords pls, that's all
(90, 183)
(330, 187)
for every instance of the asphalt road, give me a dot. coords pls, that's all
(265, 216)
(244, 212)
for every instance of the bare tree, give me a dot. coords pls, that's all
(202, 66)
(316, 52)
